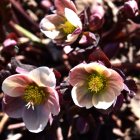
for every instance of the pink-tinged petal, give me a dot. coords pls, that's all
(13, 106)
(52, 102)
(50, 119)
(116, 80)
(106, 73)
(77, 31)
(43, 76)
(116, 87)
(81, 97)
(77, 74)
(126, 88)
(115, 76)
(104, 100)
(96, 67)
(9, 43)
(49, 26)
(14, 85)
(37, 119)
(21, 70)
(73, 18)
(71, 38)
(62, 4)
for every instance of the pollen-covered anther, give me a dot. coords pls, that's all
(34, 95)
(67, 27)
(96, 83)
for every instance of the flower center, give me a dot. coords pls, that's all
(67, 27)
(96, 83)
(34, 95)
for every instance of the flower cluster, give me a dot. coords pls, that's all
(87, 77)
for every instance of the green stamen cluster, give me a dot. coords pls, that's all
(34, 94)
(67, 27)
(96, 83)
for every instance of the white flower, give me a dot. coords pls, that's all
(95, 85)
(31, 96)
(64, 26)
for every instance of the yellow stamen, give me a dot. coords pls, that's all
(96, 83)
(67, 27)
(34, 94)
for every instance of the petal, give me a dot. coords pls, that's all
(114, 86)
(43, 76)
(36, 120)
(13, 106)
(104, 100)
(49, 26)
(115, 76)
(103, 105)
(50, 119)
(73, 18)
(52, 102)
(77, 74)
(81, 96)
(71, 38)
(97, 67)
(14, 85)
(21, 70)
(115, 80)
(126, 88)
(62, 4)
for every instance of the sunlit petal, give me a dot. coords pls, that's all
(49, 26)
(73, 18)
(96, 67)
(15, 85)
(77, 74)
(105, 100)
(81, 97)
(43, 76)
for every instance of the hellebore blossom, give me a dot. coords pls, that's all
(64, 26)
(31, 96)
(128, 10)
(95, 85)
(131, 8)
(96, 16)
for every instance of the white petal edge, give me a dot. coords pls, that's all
(105, 100)
(73, 18)
(104, 105)
(49, 24)
(43, 76)
(51, 34)
(88, 104)
(71, 38)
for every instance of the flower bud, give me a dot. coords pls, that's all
(96, 18)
